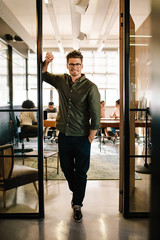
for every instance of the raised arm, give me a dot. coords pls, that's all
(49, 58)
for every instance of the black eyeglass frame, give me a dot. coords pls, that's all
(74, 64)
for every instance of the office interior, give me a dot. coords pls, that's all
(101, 31)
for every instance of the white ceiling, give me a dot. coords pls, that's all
(100, 22)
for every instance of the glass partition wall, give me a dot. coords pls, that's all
(21, 147)
(4, 83)
(19, 64)
(137, 104)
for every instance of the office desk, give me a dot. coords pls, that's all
(49, 123)
(109, 122)
(114, 123)
(105, 122)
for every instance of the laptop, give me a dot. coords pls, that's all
(51, 115)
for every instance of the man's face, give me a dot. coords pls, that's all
(74, 66)
(51, 107)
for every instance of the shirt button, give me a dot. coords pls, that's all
(71, 90)
(67, 124)
(68, 115)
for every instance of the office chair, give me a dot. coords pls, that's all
(25, 135)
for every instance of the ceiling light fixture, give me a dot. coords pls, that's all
(13, 38)
(82, 36)
(139, 44)
(141, 36)
(82, 6)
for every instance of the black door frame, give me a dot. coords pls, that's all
(126, 111)
(39, 111)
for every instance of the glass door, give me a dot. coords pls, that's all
(21, 121)
(137, 117)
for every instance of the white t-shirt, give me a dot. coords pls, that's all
(116, 112)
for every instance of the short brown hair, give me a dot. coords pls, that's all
(74, 54)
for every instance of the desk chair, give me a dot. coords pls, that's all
(26, 135)
(52, 134)
(50, 131)
(14, 126)
(12, 175)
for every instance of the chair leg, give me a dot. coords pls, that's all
(58, 163)
(35, 186)
(23, 150)
(46, 168)
(4, 199)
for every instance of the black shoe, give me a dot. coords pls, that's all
(77, 215)
(109, 138)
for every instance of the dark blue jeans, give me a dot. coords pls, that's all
(74, 155)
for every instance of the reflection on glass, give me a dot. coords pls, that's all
(19, 78)
(4, 86)
(18, 182)
(18, 171)
(140, 96)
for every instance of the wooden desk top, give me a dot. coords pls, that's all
(106, 122)
(110, 123)
(49, 123)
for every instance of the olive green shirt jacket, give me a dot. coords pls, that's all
(79, 104)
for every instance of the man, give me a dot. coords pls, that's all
(77, 120)
(104, 130)
(51, 107)
(50, 113)
(116, 115)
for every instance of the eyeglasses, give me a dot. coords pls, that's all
(74, 64)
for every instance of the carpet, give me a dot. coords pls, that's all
(104, 163)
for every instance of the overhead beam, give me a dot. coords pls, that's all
(52, 16)
(10, 19)
(109, 26)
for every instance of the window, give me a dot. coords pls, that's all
(4, 85)
(19, 78)
(101, 68)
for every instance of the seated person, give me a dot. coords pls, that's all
(51, 108)
(104, 130)
(28, 120)
(116, 115)
(50, 113)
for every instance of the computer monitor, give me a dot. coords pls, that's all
(45, 115)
